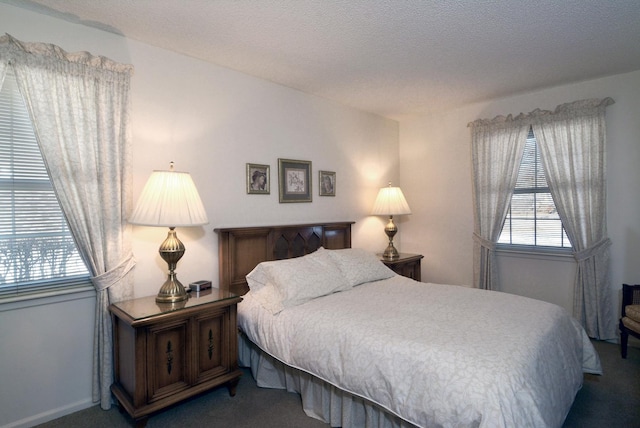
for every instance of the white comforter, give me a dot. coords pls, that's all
(435, 355)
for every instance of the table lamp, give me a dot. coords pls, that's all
(390, 201)
(170, 199)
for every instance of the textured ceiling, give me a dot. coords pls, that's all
(394, 58)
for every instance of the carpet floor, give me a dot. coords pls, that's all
(610, 400)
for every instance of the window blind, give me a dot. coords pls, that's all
(37, 251)
(532, 219)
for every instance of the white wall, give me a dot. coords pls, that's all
(45, 359)
(211, 121)
(435, 156)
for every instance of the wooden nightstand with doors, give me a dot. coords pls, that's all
(167, 352)
(406, 265)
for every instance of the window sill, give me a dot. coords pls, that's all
(47, 298)
(536, 253)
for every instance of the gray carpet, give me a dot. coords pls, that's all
(611, 400)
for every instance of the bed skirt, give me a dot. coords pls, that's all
(320, 400)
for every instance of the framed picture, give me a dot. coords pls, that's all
(258, 179)
(327, 183)
(294, 179)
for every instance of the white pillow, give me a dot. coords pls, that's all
(301, 279)
(269, 298)
(296, 280)
(257, 278)
(360, 266)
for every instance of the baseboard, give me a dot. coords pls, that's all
(51, 414)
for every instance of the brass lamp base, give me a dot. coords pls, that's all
(390, 253)
(172, 290)
(172, 250)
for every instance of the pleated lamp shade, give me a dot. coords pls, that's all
(170, 199)
(390, 201)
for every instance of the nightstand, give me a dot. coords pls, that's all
(167, 352)
(406, 265)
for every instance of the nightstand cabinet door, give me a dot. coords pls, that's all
(212, 339)
(167, 354)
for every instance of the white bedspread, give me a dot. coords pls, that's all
(435, 355)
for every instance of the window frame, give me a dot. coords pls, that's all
(528, 248)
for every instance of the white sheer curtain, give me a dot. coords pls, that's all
(79, 104)
(572, 147)
(497, 146)
(3, 70)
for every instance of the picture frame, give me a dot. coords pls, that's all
(327, 183)
(294, 180)
(258, 179)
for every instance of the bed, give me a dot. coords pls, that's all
(365, 347)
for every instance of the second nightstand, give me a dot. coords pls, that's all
(406, 265)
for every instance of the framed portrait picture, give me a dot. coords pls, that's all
(258, 179)
(294, 180)
(327, 183)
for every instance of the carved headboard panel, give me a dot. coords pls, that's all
(240, 249)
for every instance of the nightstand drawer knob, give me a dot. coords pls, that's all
(210, 347)
(169, 357)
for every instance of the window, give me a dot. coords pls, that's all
(37, 251)
(532, 219)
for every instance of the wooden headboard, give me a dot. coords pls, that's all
(240, 249)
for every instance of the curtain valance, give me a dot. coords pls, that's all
(47, 55)
(580, 108)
